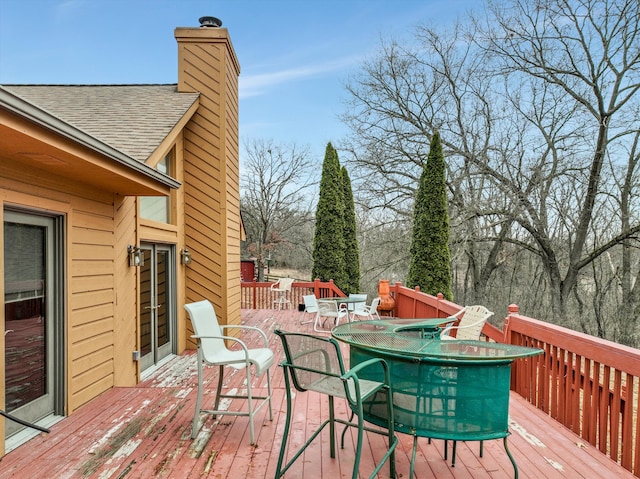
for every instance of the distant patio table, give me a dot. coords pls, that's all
(343, 300)
(451, 390)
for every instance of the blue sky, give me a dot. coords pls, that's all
(295, 55)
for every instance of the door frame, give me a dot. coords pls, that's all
(54, 312)
(158, 354)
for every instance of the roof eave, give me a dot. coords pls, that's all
(20, 107)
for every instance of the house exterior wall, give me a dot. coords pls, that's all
(101, 289)
(93, 269)
(207, 64)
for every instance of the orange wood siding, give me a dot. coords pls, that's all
(90, 333)
(126, 310)
(233, 194)
(90, 266)
(207, 64)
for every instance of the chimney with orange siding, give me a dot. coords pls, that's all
(207, 64)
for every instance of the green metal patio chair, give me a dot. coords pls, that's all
(314, 363)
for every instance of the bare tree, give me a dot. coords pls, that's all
(275, 204)
(532, 100)
(586, 55)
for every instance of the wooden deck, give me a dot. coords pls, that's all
(144, 431)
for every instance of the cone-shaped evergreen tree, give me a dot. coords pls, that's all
(430, 266)
(328, 242)
(351, 254)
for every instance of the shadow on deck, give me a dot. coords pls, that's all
(144, 431)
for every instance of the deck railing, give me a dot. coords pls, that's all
(588, 384)
(260, 295)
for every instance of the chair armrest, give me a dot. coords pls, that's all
(450, 325)
(229, 338)
(468, 325)
(353, 374)
(251, 328)
(456, 316)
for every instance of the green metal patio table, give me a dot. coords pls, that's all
(451, 390)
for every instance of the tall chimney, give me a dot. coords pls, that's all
(207, 64)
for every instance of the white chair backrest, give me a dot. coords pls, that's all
(471, 324)
(373, 309)
(310, 303)
(283, 284)
(357, 306)
(205, 323)
(328, 308)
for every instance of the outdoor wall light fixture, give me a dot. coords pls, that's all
(136, 258)
(185, 256)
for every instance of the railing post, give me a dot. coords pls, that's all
(506, 330)
(254, 287)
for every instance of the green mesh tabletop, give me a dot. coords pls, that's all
(417, 338)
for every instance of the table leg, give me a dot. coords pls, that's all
(413, 455)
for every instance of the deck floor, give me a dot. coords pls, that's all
(144, 431)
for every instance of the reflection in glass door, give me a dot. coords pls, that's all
(32, 308)
(157, 304)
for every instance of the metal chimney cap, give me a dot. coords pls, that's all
(210, 22)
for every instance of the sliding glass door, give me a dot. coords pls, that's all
(33, 307)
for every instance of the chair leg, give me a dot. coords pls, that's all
(269, 394)
(195, 426)
(307, 321)
(332, 429)
(393, 440)
(250, 405)
(218, 389)
(287, 425)
(356, 460)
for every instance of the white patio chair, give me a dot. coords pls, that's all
(470, 325)
(282, 287)
(359, 306)
(370, 311)
(212, 351)
(329, 310)
(310, 306)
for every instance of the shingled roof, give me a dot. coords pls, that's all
(133, 119)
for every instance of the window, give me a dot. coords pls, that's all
(158, 208)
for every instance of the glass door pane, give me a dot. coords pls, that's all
(25, 315)
(163, 331)
(146, 301)
(33, 315)
(157, 315)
